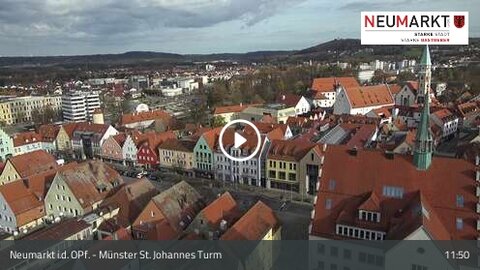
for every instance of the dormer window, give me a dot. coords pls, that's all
(369, 216)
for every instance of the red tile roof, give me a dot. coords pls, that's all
(367, 96)
(154, 139)
(292, 150)
(359, 135)
(131, 199)
(369, 171)
(211, 137)
(290, 100)
(467, 108)
(223, 208)
(328, 84)
(69, 128)
(231, 108)
(120, 138)
(33, 163)
(85, 179)
(91, 127)
(59, 231)
(48, 132)
(26, 206)
(145, 116)
(25, 138)
(395, 88)
(178, 145)
(254, 224)
(179, 204)
(444, 115)
(39, 183)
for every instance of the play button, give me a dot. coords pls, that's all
(239, 140)
(230, 138)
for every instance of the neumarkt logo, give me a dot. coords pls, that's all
(414, 28)
(413, 21)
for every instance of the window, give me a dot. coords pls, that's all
(393, 192)
(459, 223)
(332, 184)
(321, 248)
(460, 201)
(272, 174)
(282, 175)
(328, 204)
(334, 251)
(347, 254)
(152, 214)
(312, 156)
(292, 177)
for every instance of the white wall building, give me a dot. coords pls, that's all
(79, 106)
(361, 100)
(447, 121)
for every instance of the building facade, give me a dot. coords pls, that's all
(19, 109)
(6, 146)
(79, 106)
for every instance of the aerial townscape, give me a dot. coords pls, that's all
(379, 151)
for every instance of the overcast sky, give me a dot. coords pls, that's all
(71, 27)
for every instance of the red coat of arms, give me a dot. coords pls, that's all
(459, 21)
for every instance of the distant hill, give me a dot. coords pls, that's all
(333, 45)
(323, 51)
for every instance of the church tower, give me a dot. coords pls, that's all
(422, 157)
(424, 76)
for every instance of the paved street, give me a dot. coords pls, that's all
(295, 216)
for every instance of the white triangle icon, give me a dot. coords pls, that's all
(239, 140)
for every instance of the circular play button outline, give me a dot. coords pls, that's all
(259, 139)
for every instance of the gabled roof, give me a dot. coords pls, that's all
(69, 128)
(254, 224)
(179, 205)
(59, 231)
(178, 145)
(25, 138)
(223, 208)
(211, 137)
(131, 199)
(467, 108)
(39, 183)
(328, 84)
(231, 108)
(120, 138)
(26, 206)
(444, 115)
(33, 163)
(292, 150)
(395, 88)
(372, 171)
(154, 139)
(145, 116)
(90, 182)
(99, 129)
(290, 100)
(48, 132)
(367, 96)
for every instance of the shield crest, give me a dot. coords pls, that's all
(459, 21)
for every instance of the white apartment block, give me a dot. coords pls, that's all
(79, 106)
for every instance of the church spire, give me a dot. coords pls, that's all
(424, 76)
(422, 157)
